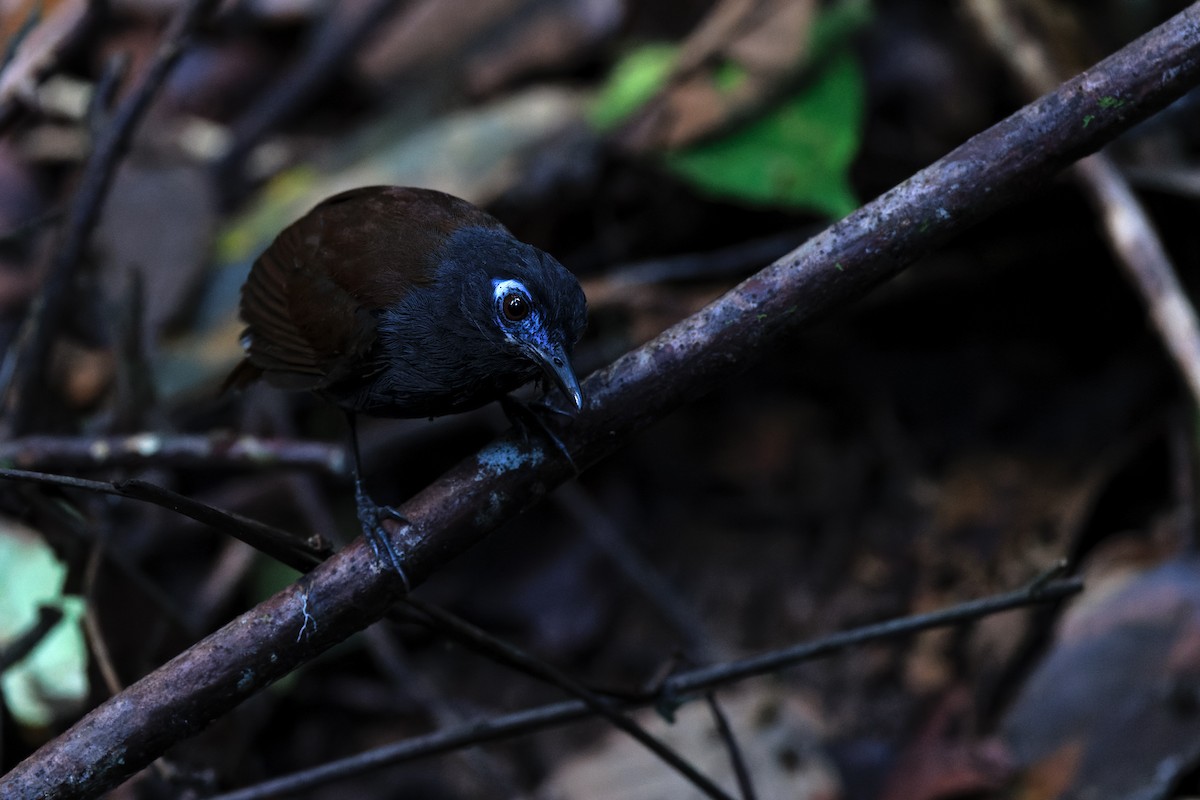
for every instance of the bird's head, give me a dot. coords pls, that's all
(522, 300)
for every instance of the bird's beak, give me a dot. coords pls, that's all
(553, 360)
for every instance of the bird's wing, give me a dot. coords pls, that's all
(309, 300)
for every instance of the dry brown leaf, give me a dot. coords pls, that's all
(1118, 685)
(765, 40)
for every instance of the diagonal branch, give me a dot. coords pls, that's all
(349, 591)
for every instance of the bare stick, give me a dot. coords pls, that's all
(299, 553)
(47, 311)
(91, 619)
(604, 534)
(45, 452)
(48, 617)
(350, 590)
(1130, 232)
(531, 720)
(698, 680)
(1140, 251)
(745, 783)
(507, 653)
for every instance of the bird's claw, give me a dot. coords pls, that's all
(524, 416)
(371, 517)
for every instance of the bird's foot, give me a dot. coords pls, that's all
(525, 417)
(371, 517)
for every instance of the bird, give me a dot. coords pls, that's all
(406, 302)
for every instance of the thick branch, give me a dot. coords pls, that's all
(349, 591)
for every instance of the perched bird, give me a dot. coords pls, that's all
(402, 302)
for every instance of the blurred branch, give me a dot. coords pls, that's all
(335, 42)
(622, 284)
(745, 782)
(352, 590)
(602, 531)
(38, 49)
(682, 685)
(1138, 249)
(300, 554)
(33, 348)
(48, 617)
(44, 452)
(525, 722)
(101, 654)
(1130, 232)
(26, 229)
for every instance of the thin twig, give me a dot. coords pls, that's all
(72, 521)
(697, 680)
(508, 653)
(531, 720)
(620, 284)
(299, 553)
(604, 534)
(350, 591)
(1140, 251)
(33, 16)
(101, 653)
(418, 687)
(91, 618)
(48, 617)
(105, 91)
(41, 52)
(736, 758)
(47, 311)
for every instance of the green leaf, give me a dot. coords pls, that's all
(634, 80)
(798, 154)
(54, 673)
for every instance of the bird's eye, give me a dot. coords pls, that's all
(515, 307)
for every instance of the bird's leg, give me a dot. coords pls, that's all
(371, 515)
(525, 416)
